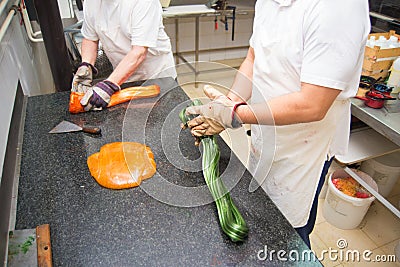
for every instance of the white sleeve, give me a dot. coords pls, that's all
(145, 23)
(334, 40)
(88, 30)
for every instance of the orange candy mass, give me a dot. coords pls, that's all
(122, 165)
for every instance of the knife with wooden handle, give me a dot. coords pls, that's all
(66, 127)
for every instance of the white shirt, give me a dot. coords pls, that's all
(121, 24)
(319, 42)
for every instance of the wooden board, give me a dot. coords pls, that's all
(376, 66)
(377, 52)
(43, 245)
(382, 74)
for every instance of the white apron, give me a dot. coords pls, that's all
(292, 42)
(289, 170)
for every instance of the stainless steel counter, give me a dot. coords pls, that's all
(381, 137)
(189, 11)
(385, 121)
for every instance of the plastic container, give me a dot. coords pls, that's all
(371, 41)
(343, 211)
(165, 3)
(393, 42)
(382, 42)
(385, 170)
(394, 77)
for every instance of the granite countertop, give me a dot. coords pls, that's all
(160, 223)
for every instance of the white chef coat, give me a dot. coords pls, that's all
(319, 42)
(120, 24)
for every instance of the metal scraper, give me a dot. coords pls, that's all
(66, 127)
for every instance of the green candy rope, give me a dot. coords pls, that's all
(231, 221)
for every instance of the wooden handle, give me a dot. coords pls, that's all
(91, 130)
(361, 97)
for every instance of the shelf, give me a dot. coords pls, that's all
(365, 144)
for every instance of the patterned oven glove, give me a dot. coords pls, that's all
(83, 77)
(215, 116)
(99, 95)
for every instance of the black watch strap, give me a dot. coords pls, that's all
(236, 123)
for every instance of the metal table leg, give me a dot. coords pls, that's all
(177, 41)
(196, 45)
(196, 49)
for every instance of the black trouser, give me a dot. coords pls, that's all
(306, 230)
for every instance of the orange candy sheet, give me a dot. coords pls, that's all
(119, 97)
(122, 165)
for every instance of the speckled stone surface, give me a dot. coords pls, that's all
(95, 226)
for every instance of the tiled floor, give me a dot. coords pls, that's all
(379, 231)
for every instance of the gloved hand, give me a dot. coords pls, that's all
(99, 95)
(83, 77)
(215, 116)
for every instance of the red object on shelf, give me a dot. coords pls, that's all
(375, 99)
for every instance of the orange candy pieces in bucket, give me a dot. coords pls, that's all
(350, 187)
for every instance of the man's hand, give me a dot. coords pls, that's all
(83, 77)
(99, 95)
(215, 116)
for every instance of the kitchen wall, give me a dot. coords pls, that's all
(211, 38)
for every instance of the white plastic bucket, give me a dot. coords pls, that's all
(397, 251)
(385, 170)
(165, 3)
(341, 210)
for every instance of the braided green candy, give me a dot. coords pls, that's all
(231, 221)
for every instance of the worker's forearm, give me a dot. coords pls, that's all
(308, 105)
(128, 65)
(278, 111)
(89, 51)
(242, 85)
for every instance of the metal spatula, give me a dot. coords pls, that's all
(66, 127)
